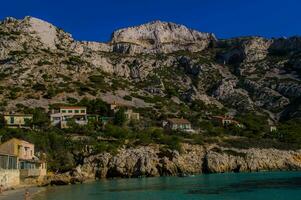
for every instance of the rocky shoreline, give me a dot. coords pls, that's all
(154, 160)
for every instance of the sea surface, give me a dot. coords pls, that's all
(227, 186)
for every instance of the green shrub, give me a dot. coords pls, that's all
(44, 62)
(96, 106)
(39, 87)
(127, 97)
(289, 132)
(120, 118)
(117, 132)
(255, 125)
(51, 92)
(2, 76)
(98, 79)
(74, 60)
(72, 100)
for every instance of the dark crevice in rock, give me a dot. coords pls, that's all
(205, 167)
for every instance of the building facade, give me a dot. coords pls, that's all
(21, 155)
(131, 115)
(64, 114)
(17, 120)
(128, 111)
(226, 120)
(178, 124)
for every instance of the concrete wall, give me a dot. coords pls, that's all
(20, 148)
(8, 148)
(26, 150)
(9, 178)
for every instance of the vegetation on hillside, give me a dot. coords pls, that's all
(66, 148)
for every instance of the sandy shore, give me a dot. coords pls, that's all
(18, 194)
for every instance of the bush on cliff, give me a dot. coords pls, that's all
(255, 125)
(119, 118)
(95, 106)
(289, 132)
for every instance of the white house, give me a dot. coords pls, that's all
(61, 116)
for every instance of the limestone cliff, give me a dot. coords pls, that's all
(160, 37)
(151, 161)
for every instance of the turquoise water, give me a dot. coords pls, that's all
(229, 186)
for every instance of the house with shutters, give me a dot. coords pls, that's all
(13, 120)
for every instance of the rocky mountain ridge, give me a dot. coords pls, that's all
(41, 64)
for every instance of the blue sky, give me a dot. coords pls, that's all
(95, 20)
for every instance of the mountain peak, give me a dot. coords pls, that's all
(157, 33)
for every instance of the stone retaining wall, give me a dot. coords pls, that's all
(9, 178)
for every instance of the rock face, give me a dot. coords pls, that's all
(155, 59)
(265, 97)
(247, 49)
(153, 161)
(160, 37)
(286, 44)
(45, 31)
(225, 160)
(227, 93)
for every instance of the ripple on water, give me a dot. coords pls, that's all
(246, 186)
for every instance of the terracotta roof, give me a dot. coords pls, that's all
(226, 118)
(72, 107)
(222, 117)
(178, 121)
(16, 139)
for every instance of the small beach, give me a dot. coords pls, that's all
(18, 194)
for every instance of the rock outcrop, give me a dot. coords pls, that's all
(150, 161)
(248, 49)
(160, 37)
(264, 96)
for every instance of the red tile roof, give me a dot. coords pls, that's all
(222, 117)
(72, 107)
(178, 121)
(226, 118)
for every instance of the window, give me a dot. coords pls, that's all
(63, 111)
(69, 111)
(82, 111)
(22, 165)
(76, 111)
(12, 120)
